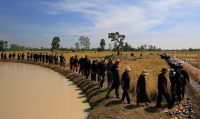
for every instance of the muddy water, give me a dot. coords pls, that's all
(33, 92)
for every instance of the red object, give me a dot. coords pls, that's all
(76, 64)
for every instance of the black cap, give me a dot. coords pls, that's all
(164, 70)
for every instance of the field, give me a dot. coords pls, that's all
(112, 107)
(190, 60)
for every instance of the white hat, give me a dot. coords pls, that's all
(127, 68)
(144, 72)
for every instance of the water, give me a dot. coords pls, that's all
(33, 92)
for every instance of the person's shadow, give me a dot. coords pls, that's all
(151, 109)
(128, 107)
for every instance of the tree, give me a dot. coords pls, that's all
(6, 44)
(126, 46)
(84, 42)
(110, 46)
(77, 46)
(102, 44)
(145, 46)
(122, 45)
(2, 45)
(115, 46)
(117, 37)
(55, 43)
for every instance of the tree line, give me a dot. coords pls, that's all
(83, 44)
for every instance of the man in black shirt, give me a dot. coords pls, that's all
(56, 59)
(19, 55)
(185, 77)
(47, 58)
(162, 89)
(71, 61)
(81, 62)
(61, 60)
(109, 72)
(101, 72)
(116, 79)
(22, 56)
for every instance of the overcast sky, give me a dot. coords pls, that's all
(168, 24)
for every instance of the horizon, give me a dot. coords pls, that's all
(169, 24)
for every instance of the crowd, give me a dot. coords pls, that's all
(177, 75)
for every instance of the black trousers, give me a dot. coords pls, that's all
(87, 73)
(71, 65)
(159, 99)
(116, 91)
(101, 80)
(173, 97)
(56, 62)
(183, 90)
(125, 94)
(109, 77)
(81, 70)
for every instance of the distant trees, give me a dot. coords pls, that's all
(55, 43)
(77, 46)
(102, 44)
(84, 43)
(126, 48)
(3, 45)
(117, 37)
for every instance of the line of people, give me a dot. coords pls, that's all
(177, 76)
(42, 57)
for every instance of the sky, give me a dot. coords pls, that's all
(167, 24)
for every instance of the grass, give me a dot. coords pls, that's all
(113, 108)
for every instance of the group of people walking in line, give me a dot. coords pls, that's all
(51, 59)
(177, 75)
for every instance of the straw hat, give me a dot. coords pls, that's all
(127, 68)
(144, 72)
(118, 60)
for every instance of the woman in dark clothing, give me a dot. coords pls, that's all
(142, 95)
(126, 84)
(175, 85)
(93, 71)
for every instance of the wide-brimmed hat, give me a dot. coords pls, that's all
(164, 70)
(144, 72)
(118, 60)
(127, 68)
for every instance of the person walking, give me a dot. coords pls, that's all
(47, 58)
(87, 68)
(185, 77)
(19, 55)
(4, 57)
(22, 56)
(43, 58)
(14, 55)
(62, 60)
(80, 62)
(10, 56)
(71, 62)
(142, 95)
(93, 71)
(116, 79)
(56, 59)
(75, 62)
(109, 72)
(40, 57)
(162, 89)
(85, 64)
(126, 84)
(101, 72)
(28, 56)
(175, 85)
(36, 57)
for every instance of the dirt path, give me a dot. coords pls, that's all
(194, 84)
